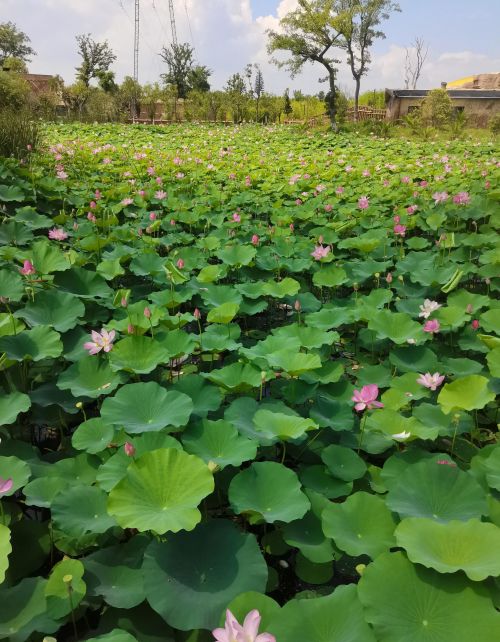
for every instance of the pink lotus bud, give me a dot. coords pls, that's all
(475, 324)
(297, 305)
(397, 219)
(129, 449)
(147, 313)
(139, 231)
(172, 222)
(152, 216)
(328, 207)
(75, 226)
(180, 264)
(255, 239)
(388, 278)
(291, 227)
(28, 268)
(469, 309)
(29, 148)
(91, 217)
(130, 329)
(320, 239)
(197, 314)
(124, 302)
(236, 217)
(92, 205)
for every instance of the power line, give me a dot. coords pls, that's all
(189, 22)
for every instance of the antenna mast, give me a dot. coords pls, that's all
(136, 58)
(172, 21)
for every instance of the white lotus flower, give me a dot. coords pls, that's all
(401, 436)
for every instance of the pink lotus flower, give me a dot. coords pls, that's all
(62, 175)
(127, 201)
(180, 264)
(236, 217)
(57, 234)
(397, 219)
(129, 449)
(431, 326)
(197, 314)
(28, 268)
(366, 398)
(428, 308)
(101, 341)
(106, 161)
(462, 198)
(430, 381)
(400, 230)
(255, 239)
(160, 195)
(5, 485)
(320, 252)
(249, 632)
(363, 202)
(328, 207)
(412, 209)
(130, 329)
(91, 217)
(440, 197)
(97, 195)
(340, 190)
(92, 205)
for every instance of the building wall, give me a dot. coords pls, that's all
(479, 111)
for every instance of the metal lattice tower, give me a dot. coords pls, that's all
(136, 42)
(172, 21)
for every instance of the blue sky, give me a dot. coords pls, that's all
(227, 34)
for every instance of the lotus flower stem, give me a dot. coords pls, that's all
(362, 433)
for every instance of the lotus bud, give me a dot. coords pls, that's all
(124, 302)
(388, 278)
(147, 313)
(475, 324)
(197, 314)
(262, 376)
(297, 305)
(180, 264)
(469, 309)
(130, 329)
(129, 449)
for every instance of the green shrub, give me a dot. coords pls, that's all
(495, 124)
(18, 130)
(437, 109)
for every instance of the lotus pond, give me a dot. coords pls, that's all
(249, 368)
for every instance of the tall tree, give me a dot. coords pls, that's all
(237, 95)
(14, 43)
(287, 104)
(258, 89)
(414, 61)
(358, 23)
(97, 58)
(310, 34)
(198, 78)
(180, 63)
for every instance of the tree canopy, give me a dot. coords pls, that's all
(183, 72)
(14, 43)
(97, 57)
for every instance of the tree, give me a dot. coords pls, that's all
(14, 65)
(258, 89)
(414, 61)
(14, 43)
(358, 22)
(129, 96)
(97, 57)
(310, 34)
(237, 96)
(14, 91)
(198, 78)
(287, 103)
(151, 95)
(180, 61)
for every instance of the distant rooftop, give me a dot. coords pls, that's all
(462, 94)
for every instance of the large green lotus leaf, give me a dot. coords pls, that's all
(407, 602)
(362, 525)
(235, 377)
(11, 405)
(177, 342)
(463, 298)
(343, 463)
(218, 442)
(39, 343)
(161, 492)
(224, 313)
(15, 469)
(139, 355)
(236, 254)
(307, 535)
(492, 469)
(205, 398)
(93, 436)
(11, 285)
(31, 545)
(308, 337)
(311, 572)
(10, 325)
(466, 393)
(115, 573)
(42, 491)
(59, 310)
(281, 289)
(116, 635)
(11, 193)
(48, 258)
(390, 422)
(246, 602)
(26, 603)
(216, 295)
(269, 491)
(79, 510)
(414, 359)
(218, 338)
(278, 425)
(259, 352)
(493, 359)
(295, 363)
(28, 216)
(90, 377)
(468, 546)
(438, 491)
(337, 617)
(109, 269)
(318, 479)
(5, 550)
(396, 326)
(330, 316)
(84, 283)
(146, 407)
(490, 321)
(330, 277)
(191, 577)
(65, 576)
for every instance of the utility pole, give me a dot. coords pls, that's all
(172, 22)
(136, 57)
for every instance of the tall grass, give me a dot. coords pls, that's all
(20, 133)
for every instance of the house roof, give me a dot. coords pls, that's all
(462, 94)
(38, 82)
